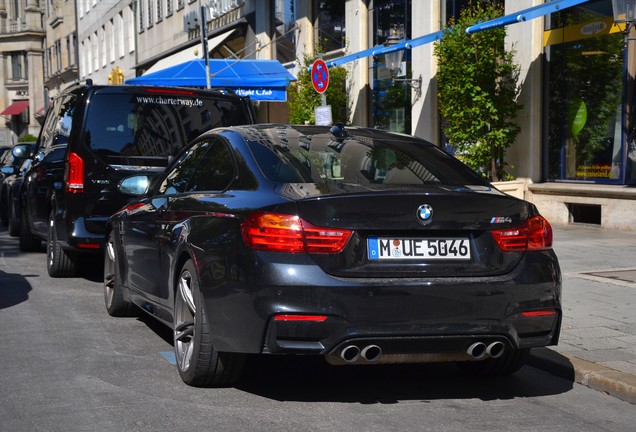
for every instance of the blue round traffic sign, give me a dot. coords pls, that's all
(320, 76)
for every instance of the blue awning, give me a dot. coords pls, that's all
(525, 14)
(262, 80)
(382, 49)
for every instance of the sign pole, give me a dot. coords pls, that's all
(204, 42)
(323, 95)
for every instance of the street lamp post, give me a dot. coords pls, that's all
(624, 13)
(393, 62)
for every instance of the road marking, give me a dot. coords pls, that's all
(169, 355)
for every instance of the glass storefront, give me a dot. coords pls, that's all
(331, 25)
(391, 109)
(584, 96)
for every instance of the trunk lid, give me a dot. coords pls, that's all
(449, 238)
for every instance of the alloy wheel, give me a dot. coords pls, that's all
(109, 274)
(184, 321)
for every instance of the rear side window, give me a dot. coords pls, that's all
(177, 179)
(143, 130)
(359, 161)
(216, 170)
(56, 130)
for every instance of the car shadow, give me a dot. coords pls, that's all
(91, 267)
(313, 380)
(14, 289)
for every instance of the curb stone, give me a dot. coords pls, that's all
(619, 384)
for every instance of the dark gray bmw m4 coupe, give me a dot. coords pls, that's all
(354, 244)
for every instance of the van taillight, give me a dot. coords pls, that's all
(278, 232)
(74, 174)
(534, 234)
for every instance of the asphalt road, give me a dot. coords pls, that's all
(68, 366)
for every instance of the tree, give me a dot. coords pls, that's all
(27, 138)
(477, 90)
(303, 97)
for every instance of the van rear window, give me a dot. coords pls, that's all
(144, 130)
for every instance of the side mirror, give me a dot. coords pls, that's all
(136, 185)
(21, 150)
(8, 170)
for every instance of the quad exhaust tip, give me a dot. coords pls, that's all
(480, 350)
(495, 349)
(352, 353)
(371, 353)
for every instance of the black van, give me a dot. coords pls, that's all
(92, 138)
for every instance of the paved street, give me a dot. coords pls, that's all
(598, 334)
(68, 366)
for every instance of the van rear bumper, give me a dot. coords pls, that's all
(78, 238)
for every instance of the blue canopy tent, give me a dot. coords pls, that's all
(261, 80)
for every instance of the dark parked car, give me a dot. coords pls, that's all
(3, 150)
(13, 184)
(10, 166)
(357, 245)
(92, 138)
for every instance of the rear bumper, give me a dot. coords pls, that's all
(402, 316)
(74, 235)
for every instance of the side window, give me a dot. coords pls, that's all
(216, 170)
(179, 176)
(57, 128)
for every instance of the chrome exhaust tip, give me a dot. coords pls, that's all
(371, 353)
(495, 349)
(350, 353)
(477, 350)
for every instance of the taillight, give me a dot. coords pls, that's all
(278, 232)
(535, 234)
(75, 174)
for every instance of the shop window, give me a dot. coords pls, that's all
(584, 72)
(391, 101)
(284, 23)
(331, 25)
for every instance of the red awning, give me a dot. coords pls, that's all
(16, 108)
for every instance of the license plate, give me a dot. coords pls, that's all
(418, 249)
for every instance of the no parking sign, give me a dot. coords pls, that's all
(320, 76)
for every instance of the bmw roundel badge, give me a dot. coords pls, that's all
(425, 214)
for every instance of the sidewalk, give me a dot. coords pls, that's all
(598, 334)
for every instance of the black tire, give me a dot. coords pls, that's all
(4, 214)
(28, 242)
(199, 364)
(510, 362)
(113, 292)
(14, 223)
(59, 262)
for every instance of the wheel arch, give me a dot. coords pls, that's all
(183, 257)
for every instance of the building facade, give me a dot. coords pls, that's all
(61, 57)
(21, 64)
(106, 40)
(575, 155)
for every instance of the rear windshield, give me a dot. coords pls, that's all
(144, 130)
(360, 161)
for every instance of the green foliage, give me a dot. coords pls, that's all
(303, 97)
(27, 138)
(477, 90)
